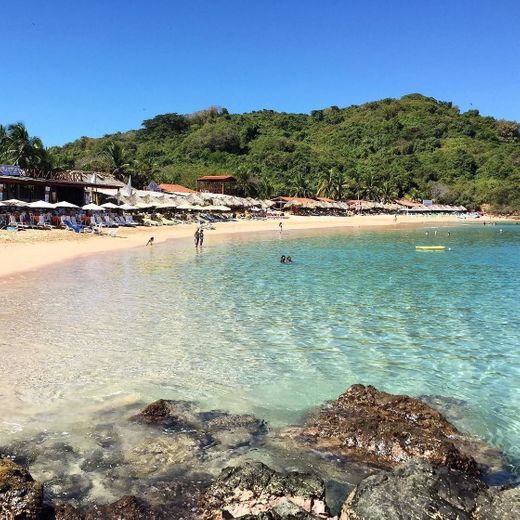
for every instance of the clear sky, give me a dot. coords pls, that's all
(91, 67)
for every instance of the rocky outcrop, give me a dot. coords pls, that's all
(212, 427)
(20, 496)
(385, 429)
(421, 491)
(254, 491)
(173, 415)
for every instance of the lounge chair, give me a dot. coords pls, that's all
(70, 226)
(42, 224)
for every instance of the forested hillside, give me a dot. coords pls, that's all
(414, 146)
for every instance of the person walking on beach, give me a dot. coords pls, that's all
(280, 225)
(196, 237)
(150, 242)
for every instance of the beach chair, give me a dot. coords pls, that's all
(71, 227)
(130, 220)
(107, 220)
(22, 223)
(42, 224)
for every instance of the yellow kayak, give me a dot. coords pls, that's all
(430, 248)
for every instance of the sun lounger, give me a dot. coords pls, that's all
(69, 225)
(42, 224)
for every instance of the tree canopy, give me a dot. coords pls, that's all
(414, 146)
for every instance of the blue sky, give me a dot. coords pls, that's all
(91, 67)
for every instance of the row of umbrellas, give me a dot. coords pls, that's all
(42, 204)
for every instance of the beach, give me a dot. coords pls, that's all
(33, 249)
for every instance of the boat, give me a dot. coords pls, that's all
(430, 248)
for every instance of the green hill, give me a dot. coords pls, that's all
(414, 146)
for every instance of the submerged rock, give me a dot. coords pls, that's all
(20, 496)
(422, 491)
(385, 429)
(255, 491)
(173, 415)
(127, 508)
(210, 428)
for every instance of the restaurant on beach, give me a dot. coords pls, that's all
(75, 186)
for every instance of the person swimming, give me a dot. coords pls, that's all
(282, 259)
(288, 260)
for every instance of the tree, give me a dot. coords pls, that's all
(245, 184)
(115, 154)
(23, 150)
(299, 185)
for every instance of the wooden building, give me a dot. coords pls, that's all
(73, 186)
(223, 184)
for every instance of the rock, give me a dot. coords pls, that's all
(421, 491)
(67, 487)
(20, 496)
(499, 504)
(172, 415)
(254, 489)
(230, 430)
(385, 429)
(158, 455)
(127, 508)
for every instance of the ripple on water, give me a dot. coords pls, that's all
(233, 329)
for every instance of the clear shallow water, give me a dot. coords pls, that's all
(233, 329)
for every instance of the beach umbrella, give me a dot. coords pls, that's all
(16, 203)
(65, 204)
(92, 207)
(41, 204)
(109, 205)
(125, 207)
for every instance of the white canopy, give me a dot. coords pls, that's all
(65, 204)
(41, 204)
(92, 207)
(126, 207)
(109, 205)
(16, 202)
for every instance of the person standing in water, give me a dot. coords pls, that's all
(201, 237)
(280, 225)
(196, 237)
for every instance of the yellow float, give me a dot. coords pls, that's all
(430, 248)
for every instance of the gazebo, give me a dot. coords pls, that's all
(223, 184)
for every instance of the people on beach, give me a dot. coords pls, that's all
(150, 241)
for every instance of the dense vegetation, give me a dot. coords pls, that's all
(414, 146)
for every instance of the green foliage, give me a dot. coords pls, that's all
(415, 146)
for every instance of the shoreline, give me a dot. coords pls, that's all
(38, 249)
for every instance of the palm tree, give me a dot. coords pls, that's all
(299, 185)
(116, 155)
(326, 184)
(22, 149)
(245, 184)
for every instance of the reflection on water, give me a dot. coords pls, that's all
(232, 328)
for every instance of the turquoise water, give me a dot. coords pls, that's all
(233, 328)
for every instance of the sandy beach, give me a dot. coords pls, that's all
(33, 249)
